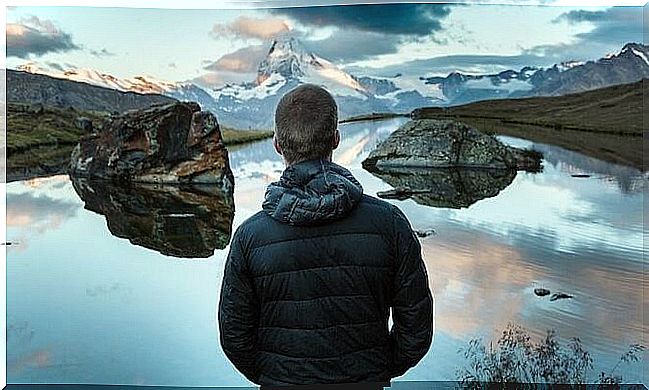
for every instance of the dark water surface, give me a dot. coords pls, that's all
(101, 296)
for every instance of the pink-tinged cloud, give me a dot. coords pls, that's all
(244, 60)
(245, 28)
(34, 37)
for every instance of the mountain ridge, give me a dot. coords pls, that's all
(289, 64)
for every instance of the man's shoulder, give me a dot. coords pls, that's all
(259, 221)
(377, 205)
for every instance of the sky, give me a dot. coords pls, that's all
(212, 47)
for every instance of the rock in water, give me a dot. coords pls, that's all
(443, 187)
(560, 295)
(541, 292)
(173, 143)
(434, 143)
(175, 220)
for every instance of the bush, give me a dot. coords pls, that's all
(517, 359)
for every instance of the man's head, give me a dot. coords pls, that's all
(306, 124)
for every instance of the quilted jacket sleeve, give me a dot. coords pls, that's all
(238, 312)
(412, 304)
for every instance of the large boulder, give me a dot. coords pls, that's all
(430, 143)
(173, 143)
(180, 221)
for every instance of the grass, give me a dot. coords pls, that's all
(32, 126)
(611, 110)
(235, 137)
(622, 150)
(373, 116)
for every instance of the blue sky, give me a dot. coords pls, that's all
(217, 46)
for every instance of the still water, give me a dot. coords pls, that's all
(102, 297)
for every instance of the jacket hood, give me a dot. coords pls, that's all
(311, 193)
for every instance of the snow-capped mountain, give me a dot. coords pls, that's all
(629, 65)
(289, 64)
(140, 84)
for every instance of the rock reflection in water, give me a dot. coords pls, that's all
(188, 221)
(444, 187)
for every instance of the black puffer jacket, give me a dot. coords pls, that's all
(310, 279)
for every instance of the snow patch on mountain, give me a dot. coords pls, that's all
(141, 84)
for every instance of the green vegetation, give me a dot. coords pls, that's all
(613, 110)
(235, 137)
(40, 138)
(32, 126)
(373, 117)
(517, 360)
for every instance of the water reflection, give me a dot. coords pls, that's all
(449, 188)
(188, 222)
(125, 304)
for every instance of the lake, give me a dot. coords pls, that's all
(96, 302)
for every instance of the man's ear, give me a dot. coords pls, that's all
(278, 149)
(336, 139)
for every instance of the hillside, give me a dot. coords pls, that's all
(612, 110)
(29, 88)
(606, 124)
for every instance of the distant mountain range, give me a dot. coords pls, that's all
(288, 64)
(629, 65)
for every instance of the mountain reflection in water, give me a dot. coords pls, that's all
(187, 221)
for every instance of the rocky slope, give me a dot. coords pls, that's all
(31, 88)
(174, 143)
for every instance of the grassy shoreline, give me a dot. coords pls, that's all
(373, 117)
(615, 110)
(40, 138)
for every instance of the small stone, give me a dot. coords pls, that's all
(83, 123)
(425, 233)
(541, 292)
(557, 296)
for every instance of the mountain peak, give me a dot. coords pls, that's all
(286, 57)
(290, 60)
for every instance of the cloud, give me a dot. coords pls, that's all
(35, 37)
(102, 53)
(349, 45)
(612, 28)
(615, 25)
(244, 60)
(400, 19)
(245, 28)
(219, 79)
(443, 65)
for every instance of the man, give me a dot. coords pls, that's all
(310, 280)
